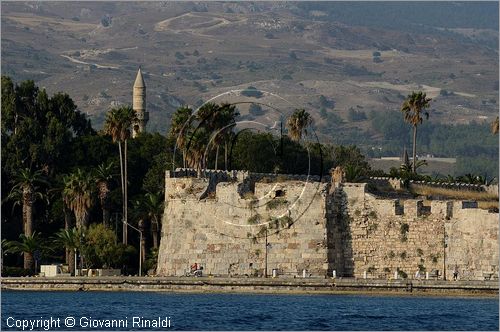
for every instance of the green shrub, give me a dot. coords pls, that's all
(251, 92)
(276, 203)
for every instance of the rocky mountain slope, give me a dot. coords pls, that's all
(192, 52)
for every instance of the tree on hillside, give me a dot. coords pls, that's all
(413, 108)
(297, 124)
(103, 175)
(118, 125)
(79, 188)
(25, 192)
(494, 126)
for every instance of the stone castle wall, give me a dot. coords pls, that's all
(226, 232)
(221, 223)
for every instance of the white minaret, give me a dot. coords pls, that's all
(139, 104)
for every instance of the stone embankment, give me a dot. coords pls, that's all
(256, 285)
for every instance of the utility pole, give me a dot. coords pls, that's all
(140, 245)
(265, 258)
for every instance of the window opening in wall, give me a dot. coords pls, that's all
(279, 193)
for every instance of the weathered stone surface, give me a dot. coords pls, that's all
(315, 227)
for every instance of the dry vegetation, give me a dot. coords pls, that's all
(488, 199)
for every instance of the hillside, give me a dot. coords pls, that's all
(314, 55)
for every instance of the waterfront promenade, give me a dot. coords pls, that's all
(256, 285)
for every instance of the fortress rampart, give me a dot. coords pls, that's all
(222, 220)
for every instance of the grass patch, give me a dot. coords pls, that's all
(452, 193)
(486, 205)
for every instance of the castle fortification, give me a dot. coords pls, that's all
(224, 220)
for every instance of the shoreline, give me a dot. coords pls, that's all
(345, 286)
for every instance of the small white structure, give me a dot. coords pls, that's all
(55, 270)
(98, 272)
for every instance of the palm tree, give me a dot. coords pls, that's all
(297, 124)
(118, 124)
(207, 118)
(25, 192)
(103, 175)
(77, 195)
(413, 107)
(196, 146)
(71, 240)
(153, 204)
(494, 126)
(180, 128)
(27, 246)
(226, 121)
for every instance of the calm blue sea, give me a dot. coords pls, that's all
(243, 311)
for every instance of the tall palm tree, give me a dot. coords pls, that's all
(196, 146)
(153, 204)
(207, 121)
(25, 192)
(27, 246)
(297, 124)
(180, 128)
(413, 108)
(71, 240)
(103, 176)
(118, 125)
(225, 122)
(77, 195)
(494, 126)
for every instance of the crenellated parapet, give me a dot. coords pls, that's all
(222, 218)
(397, 184)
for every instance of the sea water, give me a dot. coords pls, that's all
(180, 311)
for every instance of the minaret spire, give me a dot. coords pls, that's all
(139, 103)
